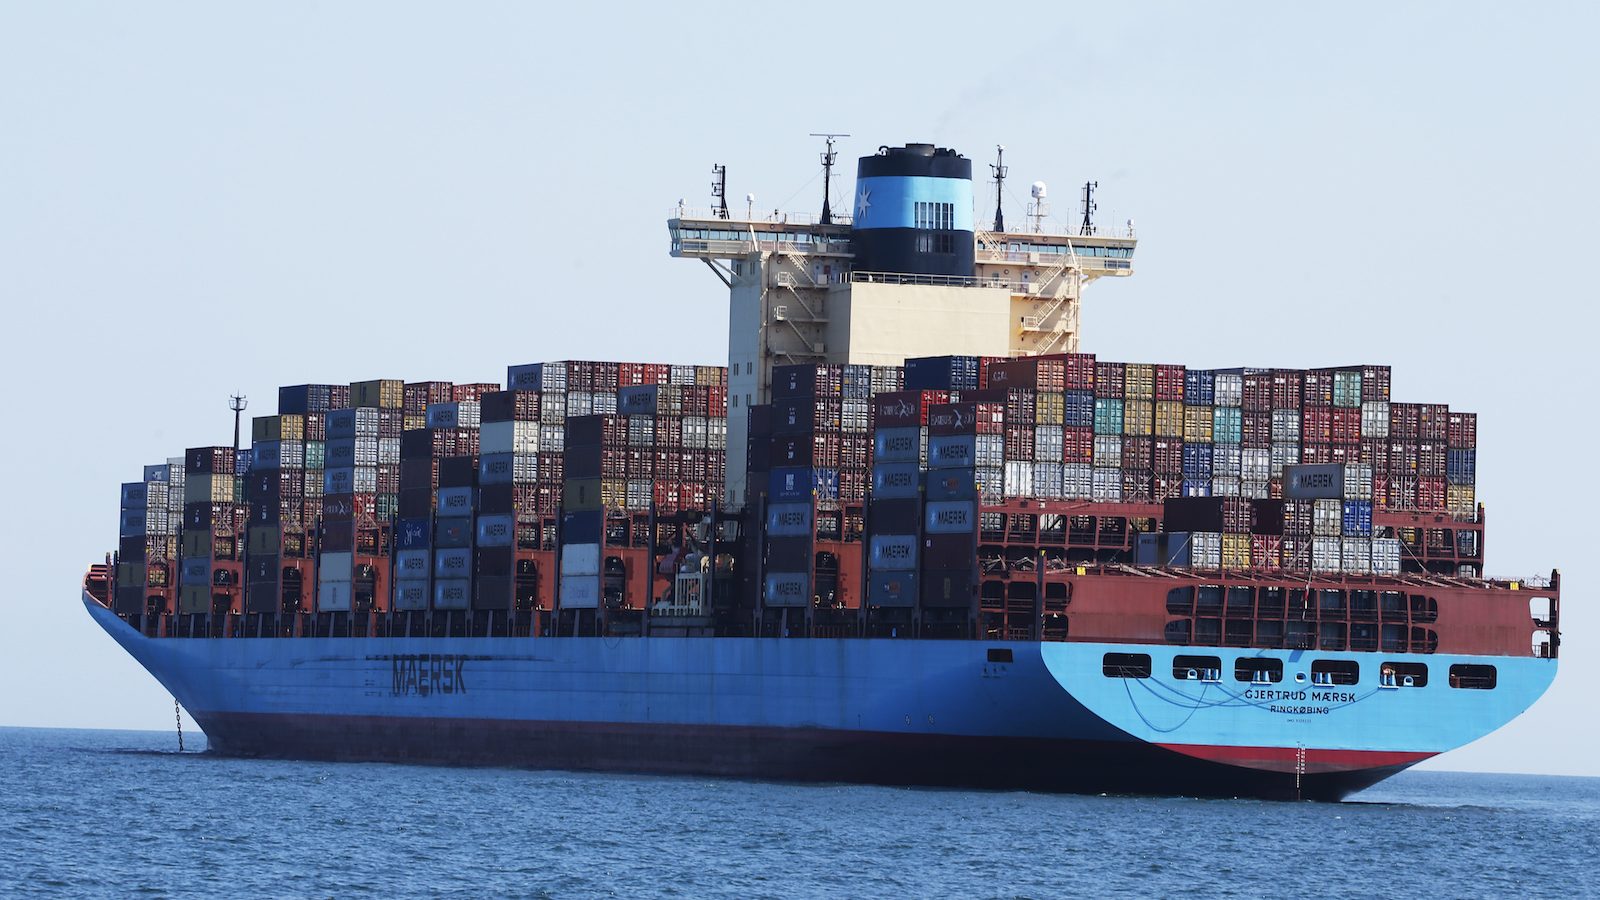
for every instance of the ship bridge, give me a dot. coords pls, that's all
(906, 274)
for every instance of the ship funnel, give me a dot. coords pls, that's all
(913, 212)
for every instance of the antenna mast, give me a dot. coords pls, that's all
(719, 190)
(999, 169)
(237, 403)
(828, 157)
(1089, 207)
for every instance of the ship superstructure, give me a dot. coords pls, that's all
(911, 533)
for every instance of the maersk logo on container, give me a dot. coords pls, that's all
(952, 517)
(788, 589)
(456, 501)
(898, 410)
(496, 531)
(454, 563)
(789, 520)
(952, 451)
(898, 444)
(411, 564)
(896, 552)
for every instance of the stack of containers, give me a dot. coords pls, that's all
(209, 533)
(1287, 398)
(898, 445)
(313, 403)
(361, 493)
(1136, 456)
(1327, 521)
(420, 395)
(1078, 427)
(509, 509)
(1461, 465)
(423, 450)
(276, 493)
(1199, 429)
(453, 532)
(943, 373)
(1035, 396)
(147, 543)
(963, 439)
(1106, 453)
(807, 434)
(596, 450)
(1255, 432)
(1227, 430)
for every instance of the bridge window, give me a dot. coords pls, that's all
(1473, 677)
(1335, 671)
(1197, 668)
(1403, 674)
(1126, 665)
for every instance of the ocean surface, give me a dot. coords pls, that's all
(101, 813)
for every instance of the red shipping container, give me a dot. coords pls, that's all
(1316, 454)
(1137, 485)
(1169, 382)
(1346, 425)
(462, 392)
(1404, 421)
(1168, 456)
(1079, 371)
(1434, 423)
(1463, 431)
(1077, 445)
(1430, 493)
(1257, 392)
(1344, 453)
(1256, 428)
(1019, 442)
(1286, 384)
(967, 418)
(1266, 552)
(1432, 459)
(1316, 424)
(1380, 491)
(1317, 388)
(1035, 373)
(1138, 453)
(1374, 384)
(1109, 379)
(1165, 486)
(1376, 455)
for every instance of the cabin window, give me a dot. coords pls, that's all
(1126, 665)
(1473, 677)
(1197, 668)
(1335, 671)
(1403, 674)
(1258, 669)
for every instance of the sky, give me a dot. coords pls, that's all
(199, 199)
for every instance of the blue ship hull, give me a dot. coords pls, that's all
(879, 711)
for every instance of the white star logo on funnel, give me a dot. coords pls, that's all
(863, 203)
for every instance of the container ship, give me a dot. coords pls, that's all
(909, 534)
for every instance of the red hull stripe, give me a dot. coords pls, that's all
(1286, 759)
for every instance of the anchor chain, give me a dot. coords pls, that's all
(177, 712)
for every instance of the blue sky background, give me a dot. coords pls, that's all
(202, 198)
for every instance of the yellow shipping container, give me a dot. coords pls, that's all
(1461, 500)
(1050, 409)
(1197, 424)
(284, 427)
(1138, 416)
(1139, 381)
(383, 393)
(1235, 552)
(1169, 418)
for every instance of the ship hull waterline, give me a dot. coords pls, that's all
(891, 712)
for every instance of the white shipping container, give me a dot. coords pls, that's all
(1255, 463)
(580, 403)
(509, 437)
(1227, 461)
(1327, 555)
(580, 559)
(604, 404)
(1229, 389)
(681, 375)
(553, 406)
(579, 592)
(1108, 453)
(1019, 479)
(1356, 554)
(1224, 487)
(695, 432)
(856, 416)
(991, 481)
(1077, 481)
(637, 496)
(1386, 556)
(1375, 419)
(641, 431)
(1047, 443)
(1284, 455)
(334, 567)
(990, 449)
(333, 596)
(552, 438)
(1107, 486)
(1286, 425)
(1047, 481)
(1357, 481)
(553, 377)
(717, 433)
(1255, 490)
(1327, 518)
(1205, 550)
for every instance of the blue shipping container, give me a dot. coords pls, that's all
(1107, 416)
(412, 534)
(582, 527)
(1199, 387)
(1196, 487)
(1357, 518)
(942, 373)
(1197, 463)
(1461, 467)
(1079, 409)
(800, 484)
(1227, 425)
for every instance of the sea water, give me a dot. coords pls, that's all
(115, 813)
